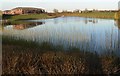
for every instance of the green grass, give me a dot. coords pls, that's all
(26, 17)
(99, 14)
(106, 15)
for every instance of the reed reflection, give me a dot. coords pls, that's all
(99, 35)
(117, 23)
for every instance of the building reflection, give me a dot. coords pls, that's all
(21, 26)
(26, 25)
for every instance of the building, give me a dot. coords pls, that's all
(7, 12)
(24, 10)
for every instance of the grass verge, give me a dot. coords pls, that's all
(26, 17)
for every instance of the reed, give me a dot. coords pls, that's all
(24, 57)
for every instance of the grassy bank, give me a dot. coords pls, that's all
(106, 15)
(26, 17)
(27, 57)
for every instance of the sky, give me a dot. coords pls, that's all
(49, 5)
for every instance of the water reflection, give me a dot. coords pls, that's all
(117, 23)
(77, 19)
(23, 26)
(0, 46)
(93, 20)
(89, 34)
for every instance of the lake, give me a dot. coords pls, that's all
(87, 34)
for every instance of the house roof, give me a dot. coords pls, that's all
(7, 10)
(27, 8)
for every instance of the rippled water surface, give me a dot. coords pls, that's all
(90, 34)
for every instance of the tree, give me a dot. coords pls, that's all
(64, 11)
(55, 11)
(86, 10)
(76, 11)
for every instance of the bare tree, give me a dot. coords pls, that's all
(76, 11)
(64, 11)
(86, 10)
(55, 11)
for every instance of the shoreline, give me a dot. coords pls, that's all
(101, 15)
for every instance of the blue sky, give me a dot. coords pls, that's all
(49, 5)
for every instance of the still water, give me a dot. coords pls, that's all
(89, 34)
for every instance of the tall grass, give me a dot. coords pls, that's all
(27, 57)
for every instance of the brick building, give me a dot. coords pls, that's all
(24, 10)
